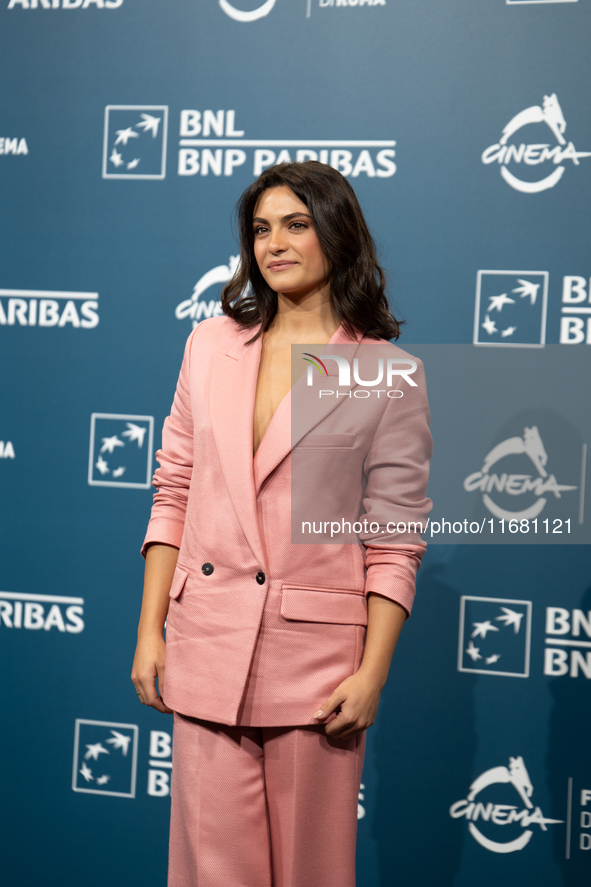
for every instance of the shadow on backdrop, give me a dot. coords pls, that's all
(425, 743)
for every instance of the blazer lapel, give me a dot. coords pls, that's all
(282, 435)
(231, 407)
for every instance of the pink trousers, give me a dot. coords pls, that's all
(263, 806)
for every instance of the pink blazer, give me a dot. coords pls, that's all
(260, 630)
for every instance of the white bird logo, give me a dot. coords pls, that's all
(489, 325)
(473, 652)
(135, 432)
(86, 772)
(510, 617)
(149, 124)
(109, 444)
(95, 750)
(101, 465)
(119, 740)
(116, 158)
(527, 288)
(481, 628)
(497, 302)
(124, 135)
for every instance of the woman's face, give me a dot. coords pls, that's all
(286, 246)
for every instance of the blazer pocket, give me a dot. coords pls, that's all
(346, 439)
(307, 604)
(178, 582)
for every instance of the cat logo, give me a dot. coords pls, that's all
(197, 308)
(530, 445)
(533, 155)
(505, 815)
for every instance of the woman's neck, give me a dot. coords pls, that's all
(304, 319)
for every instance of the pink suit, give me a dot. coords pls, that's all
(260, 630)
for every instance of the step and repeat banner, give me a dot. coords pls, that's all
(128, 130)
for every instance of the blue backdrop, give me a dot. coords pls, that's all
(128, 130)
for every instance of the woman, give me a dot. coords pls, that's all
(267, 673)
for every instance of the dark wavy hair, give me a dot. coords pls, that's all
(357, 281)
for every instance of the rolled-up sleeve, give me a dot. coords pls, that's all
(173, 478)
(397, 471)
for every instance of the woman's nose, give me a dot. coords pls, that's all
(277, 241)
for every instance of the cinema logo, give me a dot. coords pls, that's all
(199, 306)
(534, 154)
(212, 144)
(510, 485)
(487, 819)
(7, 450)
(395, 368)
(13, 146)
(48, 308)
(36, 612)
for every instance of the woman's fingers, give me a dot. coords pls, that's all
(145, 687)
(148, 696)
(355, 702)
(346, 722)
(148, 667)
(331, 704)
(161, 706)
(351, 719)
(344, 730)
(160, 698)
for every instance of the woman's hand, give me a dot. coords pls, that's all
(357, 699)
(148, 665)
(150, 652)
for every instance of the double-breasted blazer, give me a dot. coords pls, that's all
(262, 629)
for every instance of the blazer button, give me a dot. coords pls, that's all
(260, 577)
(207, 569)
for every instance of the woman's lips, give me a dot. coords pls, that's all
(281, 266)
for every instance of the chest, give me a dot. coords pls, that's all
(274, 381)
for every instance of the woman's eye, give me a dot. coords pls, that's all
(259, 230)
(299, 225)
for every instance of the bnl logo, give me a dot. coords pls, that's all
(120, 452)
(105, 758)
(134, 145)
(511, 308)
(494, 636)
